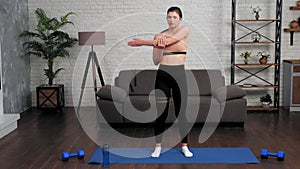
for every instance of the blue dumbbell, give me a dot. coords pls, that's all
(265, 154)
(65, 155)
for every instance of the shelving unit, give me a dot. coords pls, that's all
(262, 23)
(292, 30)
(261, 67)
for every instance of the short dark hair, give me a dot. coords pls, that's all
(175, 9)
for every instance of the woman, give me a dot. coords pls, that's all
(169, 50)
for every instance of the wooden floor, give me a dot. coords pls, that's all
(41, 137)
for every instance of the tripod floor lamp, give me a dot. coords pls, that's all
(91, 39)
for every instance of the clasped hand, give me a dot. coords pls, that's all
(161, 42)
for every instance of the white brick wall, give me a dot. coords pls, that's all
(209, 21)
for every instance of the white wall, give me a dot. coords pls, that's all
(209, 21)
(1, 93)
(16, 79)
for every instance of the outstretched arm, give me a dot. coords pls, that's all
(141, 42)
(179, 35)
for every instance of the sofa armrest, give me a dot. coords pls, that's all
(112, 93)
(228, 92)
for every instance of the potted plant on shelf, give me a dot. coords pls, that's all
(263, 57)
(256, 37)
(298, 3)
(266, 100)
(49, 42)
(294, 24)
(246, 55)
(255, 11)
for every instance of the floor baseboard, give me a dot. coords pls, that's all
(8, 123)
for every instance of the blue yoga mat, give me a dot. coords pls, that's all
(174, 156)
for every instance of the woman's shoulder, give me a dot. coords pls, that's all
(164, 31)
(184, 28)
(161, 34)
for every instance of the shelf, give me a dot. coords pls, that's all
(291, 30)
(296, 61)
(255, 65)
(295, 8)
(258, 43)
(261, 108)
(259, 20)
(262, 67)
(266, 23)
(258, 87)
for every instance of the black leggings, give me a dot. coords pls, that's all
(172, 81)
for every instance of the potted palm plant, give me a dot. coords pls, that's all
(49, 41)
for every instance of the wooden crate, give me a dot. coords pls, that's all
(50, 97)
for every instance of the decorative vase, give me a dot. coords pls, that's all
(263, 60)
(257, 16)
(246, 61)
(265, 104)
(294, 24)
(256, 37)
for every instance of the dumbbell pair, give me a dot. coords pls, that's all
(65, 155)
(265, 154)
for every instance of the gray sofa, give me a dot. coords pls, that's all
(132, 101)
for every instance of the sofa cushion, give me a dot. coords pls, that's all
(234, 110)
(200, 107)
(142, 82)
(206, 81)
(109, 92)
(228, 93)
(137, 82)
(110, 111)
(140, 109)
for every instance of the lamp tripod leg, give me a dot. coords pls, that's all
(84, 82)
(94, 75)
(99, 70)
(92, 57)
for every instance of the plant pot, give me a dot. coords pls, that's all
(294, 24)
(256, 37)
(263, 60)
(265, 104)
(50, 97)
(246, 61)
(257, 16)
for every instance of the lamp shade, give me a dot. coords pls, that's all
(91, 38)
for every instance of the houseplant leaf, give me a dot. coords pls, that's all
(49, 41)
